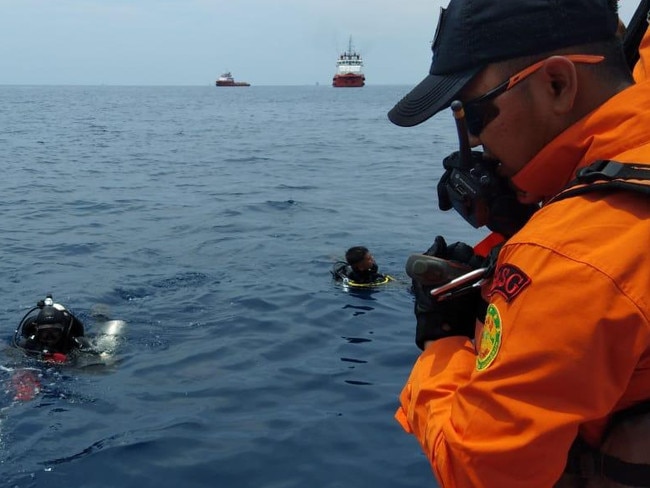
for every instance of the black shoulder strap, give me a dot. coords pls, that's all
(607, 175)
(635, 410)
(586, 462)
(628, 474)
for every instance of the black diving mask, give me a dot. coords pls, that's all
(49, 334)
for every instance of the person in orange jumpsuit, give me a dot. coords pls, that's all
(566, 335)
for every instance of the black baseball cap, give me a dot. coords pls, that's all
(474, 33)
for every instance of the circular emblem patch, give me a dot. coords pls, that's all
(490, 338)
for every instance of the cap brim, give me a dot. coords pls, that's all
(433, 94)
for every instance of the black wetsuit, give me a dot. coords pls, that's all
(344, 270)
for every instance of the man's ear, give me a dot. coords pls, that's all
(561, 79)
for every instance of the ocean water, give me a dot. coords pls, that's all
(208, 219)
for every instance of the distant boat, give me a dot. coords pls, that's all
(349, 69)
(226, 79)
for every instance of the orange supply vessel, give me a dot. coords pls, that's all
(349, 72)
(226, 79)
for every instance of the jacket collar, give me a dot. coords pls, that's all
(619, 125)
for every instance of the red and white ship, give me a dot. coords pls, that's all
(226, 79)
(349, 69)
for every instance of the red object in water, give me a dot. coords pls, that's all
(25, 384)
(56, 357)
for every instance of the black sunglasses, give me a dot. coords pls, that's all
(480, 111)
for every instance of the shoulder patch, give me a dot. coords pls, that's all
(490, 338)
(509, 281)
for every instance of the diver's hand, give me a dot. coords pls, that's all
(452, 317)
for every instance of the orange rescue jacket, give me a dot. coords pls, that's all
(566, 339)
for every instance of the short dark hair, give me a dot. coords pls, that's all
(355, 254)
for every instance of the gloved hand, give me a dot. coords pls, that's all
(455, 316)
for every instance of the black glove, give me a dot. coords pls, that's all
(455, 316)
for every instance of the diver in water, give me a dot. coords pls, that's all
(359, 268)
(50, 332)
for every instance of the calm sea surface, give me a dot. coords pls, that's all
(208, 219)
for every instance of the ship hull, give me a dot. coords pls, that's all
(232, 83)
(350, 80)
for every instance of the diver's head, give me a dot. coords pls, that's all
(360, 259)
(52, 330)
(50, 327)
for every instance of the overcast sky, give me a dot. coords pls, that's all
(191, 42)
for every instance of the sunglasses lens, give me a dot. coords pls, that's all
(473, 120)
(478, 115)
